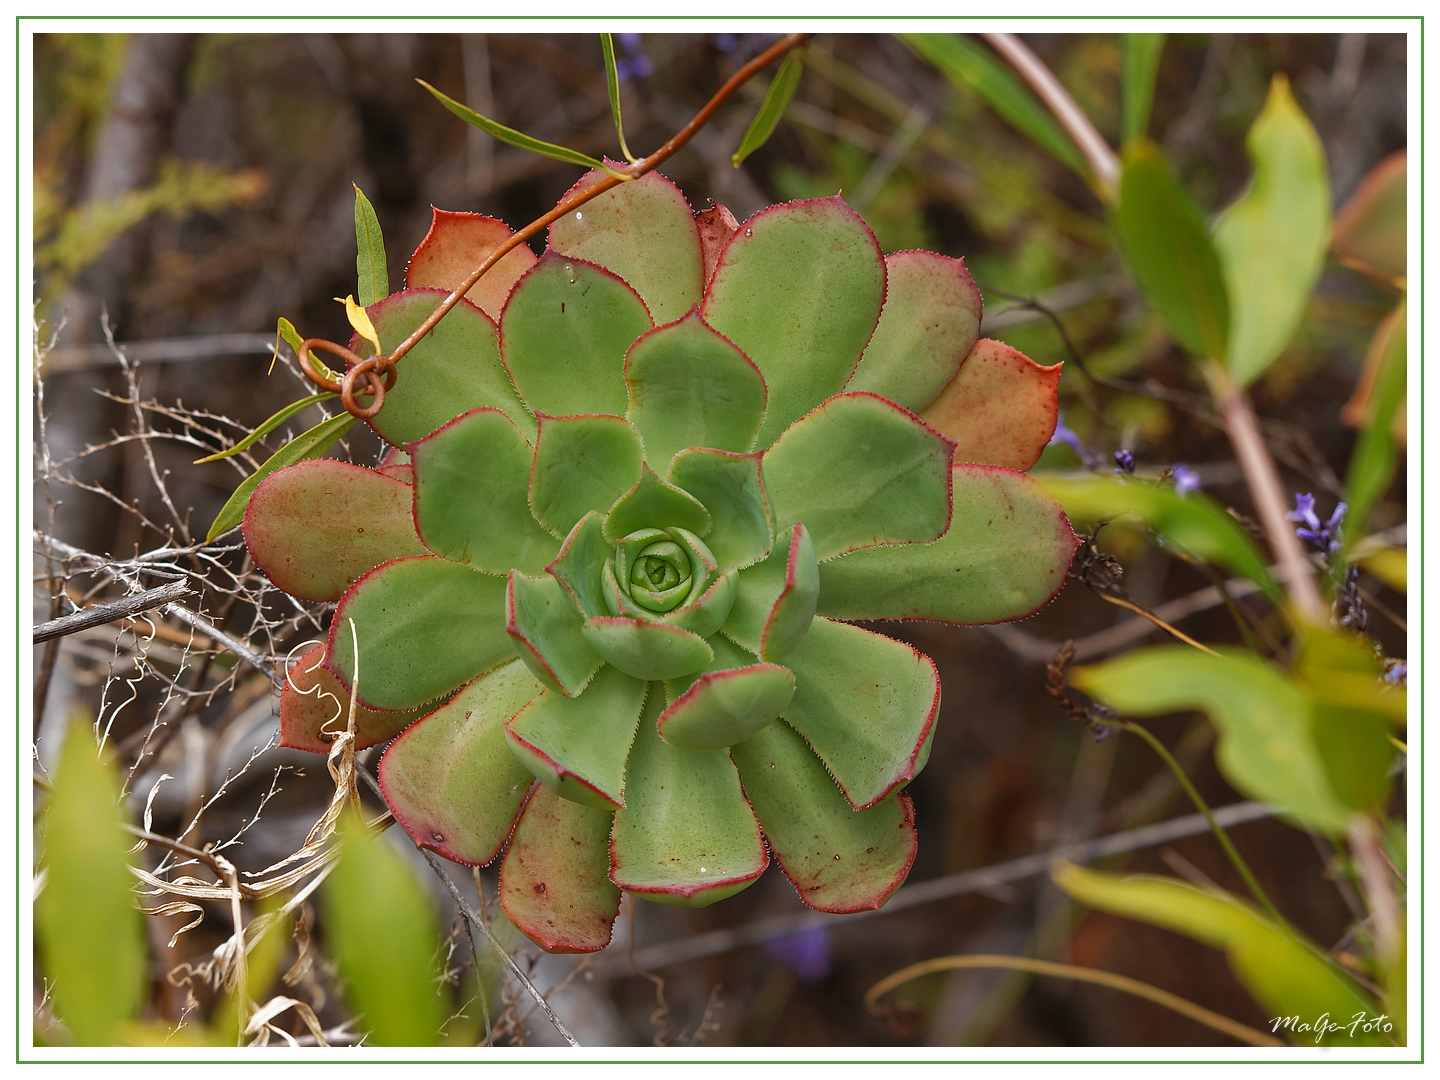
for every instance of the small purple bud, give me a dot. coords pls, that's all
(726, 42)
(1304, 511)
(1396, 673)
(1124, 462)
(634, 64)
(1186, 480)
(806, 952)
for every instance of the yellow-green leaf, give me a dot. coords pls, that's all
(1139, 63)
(1377, 453)
(294, 408)
(777, 99)
(360, 321)
(612, 83)
(92, 943)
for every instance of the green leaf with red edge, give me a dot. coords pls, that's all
(688, 386)
(424, 626)
(578, 746)
(654, 504)
(450, 779)
(722, 708)
(1005, 556)
(453, 369)
(866, 704)
(732, 488)
(643, 232)
(580, 562)
(686, 835)
(554, 881)
(1370, 229)
(927, 327)
(455, 245)
(582, 463)
(775, 599)
(799, 290)
(859, 471)
(471, 503)
(315, 527)
(314, 704)
(564, 334)
(839, 860)
(1001, 408)
(546, 628)
(647, 650)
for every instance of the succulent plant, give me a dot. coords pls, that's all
(648, 482)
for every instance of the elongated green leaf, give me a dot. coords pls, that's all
(975, 70)
(268, 426)
(370, 252)
(1192, 522)
(1164, 240)
(1289, 977)
(1372, 466)
(612, 83)
(310, 444)
(92, 943)
(777, 99)
(1139, 63)
(1267, 743)
(285, 329)
(1272, 240)
(516, 138)
(381, 928)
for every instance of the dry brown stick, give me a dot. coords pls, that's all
(100, 614)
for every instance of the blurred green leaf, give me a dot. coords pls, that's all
(1193, 522)
(612, 83)
(1139, 64)
(268, 426)
(310, 444)
(1163, 237)
(1271, 746)
(369, 252)
(974, 69)
(516, 138)
(777, 100)
(380, 927)
(1372, 465)
(1287, 976)
(91, 938)
(1272, 240)
(1370, 230)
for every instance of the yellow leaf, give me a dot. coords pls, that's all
(360, 320)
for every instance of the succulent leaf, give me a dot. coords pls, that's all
(775, 600)
(716, 225)
(455, 245)
(315, 707)
(317, 526)
(732, 488)
(578, 746)
(456, 367)
(838, 859)
(799, 290)
(424, 625)
(582, 463)
(859, 471)
(449, 779)
(686, 834)
(644, 232)
(554, 881)
(1001, 408)
(564, 334)
(645, 649)
(722, 708)
(546, 629)
(1005, 556)
(473, 513)
(654, 504)
(580, 563)
(929, 324)
(688, 387)
(866, 704)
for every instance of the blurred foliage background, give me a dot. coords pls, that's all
(199, 187)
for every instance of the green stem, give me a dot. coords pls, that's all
(1220, 834)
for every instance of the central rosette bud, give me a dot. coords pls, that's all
(656, 571)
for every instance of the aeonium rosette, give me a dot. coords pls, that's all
(648, 481)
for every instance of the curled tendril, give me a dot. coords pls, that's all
(355, 369)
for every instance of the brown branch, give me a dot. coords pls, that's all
(100, 614)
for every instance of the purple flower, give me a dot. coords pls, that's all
(634, 64)
(1186, 479)
(1124, 462)
(1064, 435)
(806, 952)
(1396, 673)
(1326, 537)
(726, 42)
